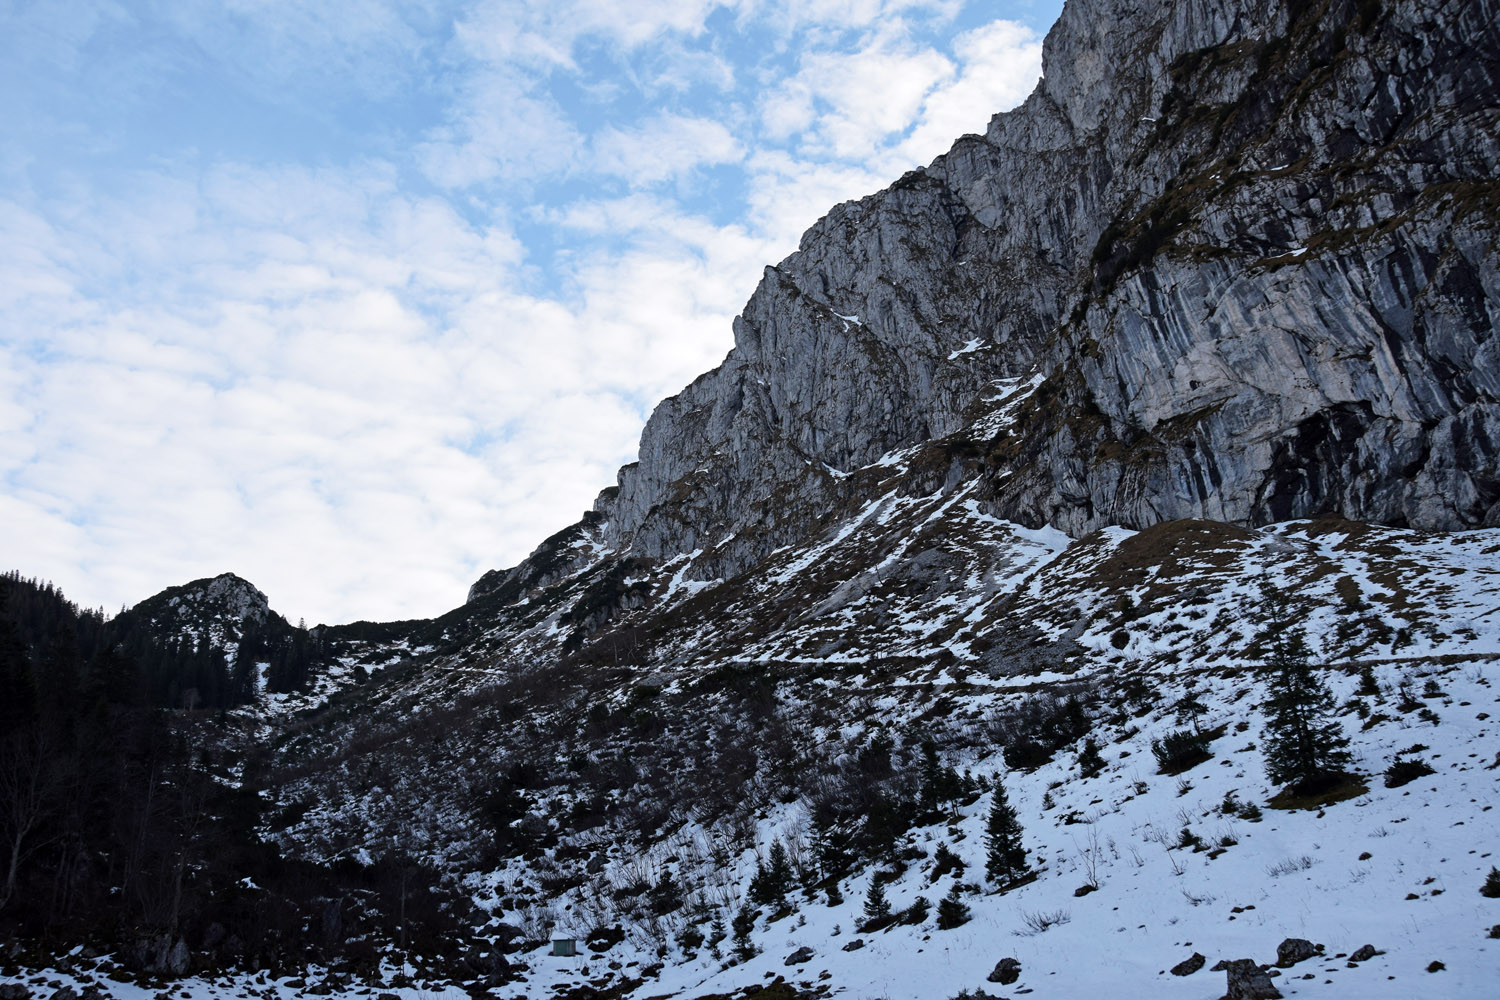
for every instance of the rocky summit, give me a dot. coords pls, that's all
(1087, 560)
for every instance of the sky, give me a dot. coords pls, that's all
(360, 299)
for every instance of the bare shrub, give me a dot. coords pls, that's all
(1037, 922)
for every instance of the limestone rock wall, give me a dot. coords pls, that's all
(1249, 245)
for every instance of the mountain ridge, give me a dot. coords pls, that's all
(881, 331)
(1008, 473)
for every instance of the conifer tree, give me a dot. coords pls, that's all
(932, 776)
(877, 907)
(779, 874)
(1305, 746)
(772, 880)
(830, 845)
(1090, 760)
(1005, 858)
(665, 896)
(1190, 708)
(952, 911)
(744, 925)
(759, 892)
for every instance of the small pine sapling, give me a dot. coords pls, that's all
(744, 925)
(1190, 709)
(1090, 760)
(916, 912)
(780, 875)
(716, 935)
(945, 861)
(665, 896)
(773, 879)
(952, 911)
(1491, 887)
(1405, 770)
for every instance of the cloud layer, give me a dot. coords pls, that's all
(361, 301)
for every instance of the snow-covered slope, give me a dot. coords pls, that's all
(1397, 868)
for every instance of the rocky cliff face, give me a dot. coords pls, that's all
(1247, 247)
(1297, 315)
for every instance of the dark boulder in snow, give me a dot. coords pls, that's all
(1364, 953)
(799, 956)
(1006, 971)
(1294, 950)
(1247, 980)
(1188, 966)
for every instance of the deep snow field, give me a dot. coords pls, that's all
(1396, 868)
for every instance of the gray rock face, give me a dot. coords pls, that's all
(227, 595)
(1233, 260)
(1251, 251)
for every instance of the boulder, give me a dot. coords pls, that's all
(1190, 965)
(799, 956)
(1294, 950)
(175, 958)
(14, 991)
(1006, 971)
(855, 945)
(1247, 981)
(1364, 953)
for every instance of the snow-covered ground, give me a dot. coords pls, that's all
(1396, 868)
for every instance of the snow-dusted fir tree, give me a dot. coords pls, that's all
(1304, 745)
(1005, 857)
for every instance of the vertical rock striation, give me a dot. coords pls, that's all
(1247, 248)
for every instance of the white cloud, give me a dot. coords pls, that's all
(360, 390)
(355, 386)
(503, 133)
(664, 147)
(999, 65)
(872, 94)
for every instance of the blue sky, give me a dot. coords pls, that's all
(362, 299)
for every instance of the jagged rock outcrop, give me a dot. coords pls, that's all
(1249, 248)
(560, 556)
(219, 608)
